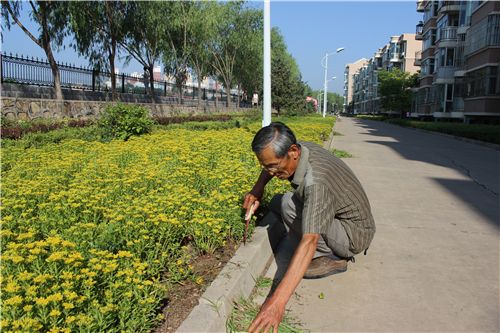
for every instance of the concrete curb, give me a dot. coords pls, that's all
(237, 279)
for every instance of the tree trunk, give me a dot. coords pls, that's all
(151, 82)
(48, 51)
(55, 73)
(181, 92)
(199, 92)
(228, 97)
(112, 53)
(238, 97)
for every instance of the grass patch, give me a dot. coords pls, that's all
(245, 311)
(263, 282)
(341, 153)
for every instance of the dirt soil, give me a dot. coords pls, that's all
(183, 298)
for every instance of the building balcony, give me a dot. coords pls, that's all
(420, 6)
(419, 28)
(445, 74)
(448, 34)
(418, 58)
(396, 58)
(449, 7)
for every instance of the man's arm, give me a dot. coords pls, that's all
(271, 312)
(257, 191)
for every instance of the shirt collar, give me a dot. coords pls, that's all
(300, 172)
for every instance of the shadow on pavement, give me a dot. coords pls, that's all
(478, 163)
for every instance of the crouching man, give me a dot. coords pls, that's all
(328, 213)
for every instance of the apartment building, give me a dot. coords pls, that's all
(350, 70)
(402, 52)
(460, 62)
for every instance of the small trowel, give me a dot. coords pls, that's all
(248, 217)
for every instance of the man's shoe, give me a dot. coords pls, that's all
(324, 266)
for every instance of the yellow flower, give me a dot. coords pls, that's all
(55, 313)
(15, 300)
(28, 308)
(59, 255)
(68, 306)
(57, 297)
(31, 290)
(11, 287)
(41, 301)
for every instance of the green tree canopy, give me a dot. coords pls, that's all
(51, 17)
(394, 89)
(147, 34)
(99, 27)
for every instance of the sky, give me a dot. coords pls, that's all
(310, 29)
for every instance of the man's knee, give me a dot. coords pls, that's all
(275, 204)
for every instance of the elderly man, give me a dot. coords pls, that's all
(328, 213)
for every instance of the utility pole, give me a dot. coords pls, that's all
(266, 117)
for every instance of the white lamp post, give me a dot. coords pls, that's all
(266, 117)
(325, 58)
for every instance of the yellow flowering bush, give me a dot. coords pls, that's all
(91, 232)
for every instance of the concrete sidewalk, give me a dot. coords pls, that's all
(434, 263)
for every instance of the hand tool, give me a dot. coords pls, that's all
(248, 217)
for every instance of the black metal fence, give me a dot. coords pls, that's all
(23, 70)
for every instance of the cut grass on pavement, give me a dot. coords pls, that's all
(245, 311)
(341, 153)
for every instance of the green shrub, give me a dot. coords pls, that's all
(122, 121)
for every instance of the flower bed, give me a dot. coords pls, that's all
(93, 233)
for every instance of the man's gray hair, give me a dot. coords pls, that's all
(278, 135)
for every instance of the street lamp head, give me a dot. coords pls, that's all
(340, 49)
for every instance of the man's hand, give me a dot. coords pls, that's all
(269, 317)
(271, 312)
(257, 192)
(250, 198)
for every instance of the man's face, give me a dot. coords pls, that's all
(281, 168)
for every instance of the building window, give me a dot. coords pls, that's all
(449, 92)
(446, 57)
(427, 67)
(429, 38)
(483, 82)
(465, 13)
(430, 10)
(483, 34)
(450, 57)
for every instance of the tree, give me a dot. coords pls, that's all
(235, 24)
(146, 35)
(395, 90)
(287, 89)
(202, 31)
(184, 31)
(249, 63)
(51, 18)
(99, 27)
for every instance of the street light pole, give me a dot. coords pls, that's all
(340, 49)
(266, 117)
(325, 86)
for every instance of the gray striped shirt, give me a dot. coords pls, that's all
(329, 190)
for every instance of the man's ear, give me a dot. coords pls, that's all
(294, 151)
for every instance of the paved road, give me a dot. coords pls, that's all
(434, 263)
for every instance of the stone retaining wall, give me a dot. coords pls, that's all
(32, 102)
